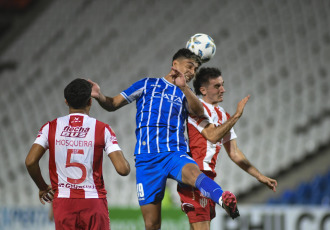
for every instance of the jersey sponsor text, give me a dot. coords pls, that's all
(70, 131)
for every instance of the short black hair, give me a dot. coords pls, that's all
(187, 54)
(77, 93)
(203, 76)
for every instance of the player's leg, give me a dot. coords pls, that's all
(152, 216)
(191, 175)
(199, 209)
(210, 189)
(150, 186)
(186, 170)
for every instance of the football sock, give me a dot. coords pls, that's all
(209, 188)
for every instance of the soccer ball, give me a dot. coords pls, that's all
(202, 45)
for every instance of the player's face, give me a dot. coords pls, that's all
(213, 93)
(188, 67)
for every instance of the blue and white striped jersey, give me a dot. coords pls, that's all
(160, 116)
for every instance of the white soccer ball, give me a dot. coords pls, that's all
(202, 45)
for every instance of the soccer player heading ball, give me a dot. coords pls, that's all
(163, 105)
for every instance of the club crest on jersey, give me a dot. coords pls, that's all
(113, 139)
(79, 132)
(39, 133)
(170, 98)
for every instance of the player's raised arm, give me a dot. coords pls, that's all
(239, 158)
(108, 103)
(120, 163)
(195, 107)
(215, 133)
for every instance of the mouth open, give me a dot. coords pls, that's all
(188, 78)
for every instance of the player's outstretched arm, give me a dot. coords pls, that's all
(108, 103)
(215, 133)
(195, 107)
(239, 158)
(120, 163)
(32, 164)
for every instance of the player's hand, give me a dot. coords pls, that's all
(46, 195)
(178, 77)
(269, 182)
(241, 105)
(96, 90)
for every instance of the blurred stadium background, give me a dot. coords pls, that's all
(277, 51)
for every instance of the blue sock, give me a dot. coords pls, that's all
(208, 187)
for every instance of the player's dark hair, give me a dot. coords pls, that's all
(187, 54)
(203, 76)
(77, 93)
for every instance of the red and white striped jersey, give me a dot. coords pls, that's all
(203, 151)
(76, 143)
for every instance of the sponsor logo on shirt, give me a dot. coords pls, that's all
(170, 98)
(76, 121)
(78, 132)
(74, 186)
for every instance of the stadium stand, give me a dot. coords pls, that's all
(314, 192)
(277, 51)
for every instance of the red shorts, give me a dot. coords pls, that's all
(70, 213)
(197, 207)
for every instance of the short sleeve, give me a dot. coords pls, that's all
(230, 136)
(110, 141)
(134, 91)
(42, 137)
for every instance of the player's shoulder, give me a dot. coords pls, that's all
(144, 79)
(221, 109)
(46, 124)
(51, 122)
(102, 124)
(153, 79)
(98, 122)
(142, 83)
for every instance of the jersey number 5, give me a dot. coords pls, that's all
(75, 164)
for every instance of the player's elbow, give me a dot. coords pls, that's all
(199, 113)
(29, 162)
(124, 170)
(211, 138)
(109, 108)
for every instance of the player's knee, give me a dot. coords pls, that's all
(152, 225)
(190, 172)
